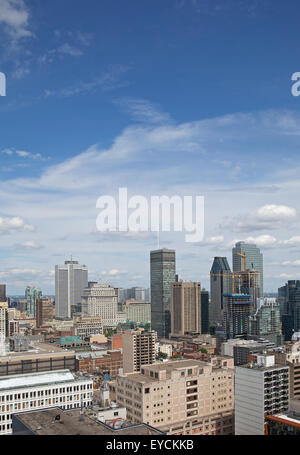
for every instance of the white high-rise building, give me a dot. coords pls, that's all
(101, 300)
(261, 389)
(70, 281)
(35, 391)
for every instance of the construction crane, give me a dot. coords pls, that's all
(232, 275)
(244, 260)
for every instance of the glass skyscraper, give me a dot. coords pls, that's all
(162, 275)
(253, 261)
(31, 295)
(266, 320)
(220, 283)
(289, 300)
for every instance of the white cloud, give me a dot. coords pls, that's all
(22, 154)
(7, 225)
(292, 242)
(144, 111)
(148, 160)
(109, 80)
(212, 241)
(276, 213)
(14, 16)
(292, 263)
(28, 245)
(287, 276)
(265, 240)
(113, 272)
(269, 216)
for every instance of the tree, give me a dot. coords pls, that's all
(162, 355)
(212, 330)
(176, 356)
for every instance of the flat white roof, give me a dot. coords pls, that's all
(35, 379)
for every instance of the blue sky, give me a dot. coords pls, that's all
(188, 97)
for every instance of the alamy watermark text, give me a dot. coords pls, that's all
(159, 213)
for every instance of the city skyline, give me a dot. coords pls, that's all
(99, 98)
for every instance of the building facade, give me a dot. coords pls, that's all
(182, 397)
(186, 308)
(86, 326)
(100, 362)
(289, 355)
(265, 322)
(70, 281)
(138, 349)
(101, 300)
(32, 294)
(220, 283)
(2, 292)
(261, 389)
(162, 275)
(253, 261)
(237, 310)
(137, 311)
(44, 311)
(289, 300)
(29, 392)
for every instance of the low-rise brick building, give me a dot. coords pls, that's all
(108, 362)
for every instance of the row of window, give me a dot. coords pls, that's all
(41, 393)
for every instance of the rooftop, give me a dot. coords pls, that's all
(35, 350)
(169, 367)
(72, 422)
(21, 381)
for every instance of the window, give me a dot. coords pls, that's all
(147, 390)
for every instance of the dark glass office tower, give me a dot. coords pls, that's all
(2, 292)
(220, 283)
(289, 300)
(162, 275)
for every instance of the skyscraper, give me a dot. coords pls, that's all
(186, 308)
(253, 261)
(162, 275)
(2, 292)
(237, 309)
(31, 295)
(289, 299)
(220, 283)
(265, 322)
(70, 281)
(44, 311)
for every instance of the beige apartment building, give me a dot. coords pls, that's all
(138, 349)
(185, 307)
(181, 397)
(289, 354)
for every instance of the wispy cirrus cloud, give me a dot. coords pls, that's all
(109, 80)
(22, 154)
(28, 245)
(143, 111)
